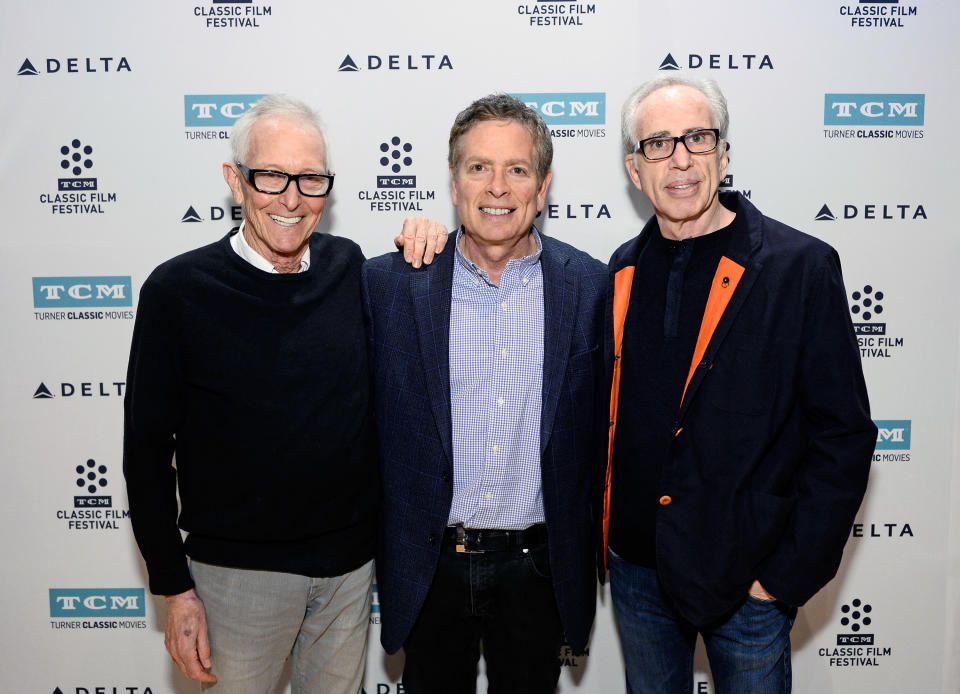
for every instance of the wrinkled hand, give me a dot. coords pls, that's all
(420, 240)
(186, 638)
(760, 593)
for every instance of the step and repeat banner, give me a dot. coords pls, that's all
(115, 121)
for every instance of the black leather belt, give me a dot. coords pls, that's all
(477, 541)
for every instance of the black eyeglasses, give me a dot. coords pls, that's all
(275, 182)
(696, 141)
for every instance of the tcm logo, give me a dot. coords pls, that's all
(97, 602)
(856, 615)
(215, 110)
(579, 108)
(71, 292)
(893, 434)
(873, 109)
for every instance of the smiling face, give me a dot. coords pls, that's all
(278, 227)
(683, 187)
(495, 186)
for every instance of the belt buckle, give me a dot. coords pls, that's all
(461, 542)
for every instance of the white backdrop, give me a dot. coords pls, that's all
(842, 125)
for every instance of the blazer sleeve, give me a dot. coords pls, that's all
(841, 437)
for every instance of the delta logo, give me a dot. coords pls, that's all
(718, 61)
(49, 66)
(104, 689)
(215, 213)
(84, 389)
(397, 62)
(872, 211)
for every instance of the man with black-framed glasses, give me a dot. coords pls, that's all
(248, 363)
(740, 433)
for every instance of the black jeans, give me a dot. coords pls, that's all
(503, 600)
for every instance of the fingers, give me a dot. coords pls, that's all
(186, 637)
(203, 647)
(436, 239)
(409, 236)
(760, 593)
(421, 239)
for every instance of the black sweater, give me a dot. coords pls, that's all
(258, 383)
(667, 301)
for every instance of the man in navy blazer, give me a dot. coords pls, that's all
(489, 386)
(740, 431)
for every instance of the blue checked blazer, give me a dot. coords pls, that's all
(408, 328)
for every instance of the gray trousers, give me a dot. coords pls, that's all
(257, 619)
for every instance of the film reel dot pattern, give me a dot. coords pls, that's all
(396, 154)
(76, 157)
(866, 303)
(856, 615)
(91, 476)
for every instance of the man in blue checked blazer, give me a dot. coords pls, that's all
(491, 413)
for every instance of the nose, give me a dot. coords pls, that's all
(681, 157)
(498, 182)
(291, 196)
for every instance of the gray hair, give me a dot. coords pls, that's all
(709, 88)
(270, 106)
(503, 107)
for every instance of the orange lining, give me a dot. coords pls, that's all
(622, 282)
(725, 281)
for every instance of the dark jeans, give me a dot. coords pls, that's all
(749, 653)
(502, 600)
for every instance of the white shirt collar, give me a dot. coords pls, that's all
(239, 243)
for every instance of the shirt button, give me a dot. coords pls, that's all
(525, 280)
(503, 352)
(488, 496)
(665, 500)
(503, 305)
(496, 449)
(500, 401)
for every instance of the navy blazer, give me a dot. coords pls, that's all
(408, 329)
(773, 437)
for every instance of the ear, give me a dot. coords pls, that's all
(542, 192)
(232, 177)
(724, 160)
(453, 188)
(630, 162)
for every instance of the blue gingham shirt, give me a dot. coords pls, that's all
(496, 389)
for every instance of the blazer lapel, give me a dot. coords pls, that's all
(560, 291)
(750, 274)
(430, 294)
